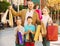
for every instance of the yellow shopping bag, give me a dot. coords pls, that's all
(43, 30)
(36, 38)
(10, 19)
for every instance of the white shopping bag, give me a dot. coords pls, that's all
(3, 20)
(40, 37)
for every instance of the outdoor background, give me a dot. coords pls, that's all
(53, 5)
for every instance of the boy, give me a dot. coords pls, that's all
(29, 31)
(19, 28)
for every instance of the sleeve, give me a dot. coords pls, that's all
(37, 17)
(16, 13)
(23, 31)
(50, 20)
(40, 14)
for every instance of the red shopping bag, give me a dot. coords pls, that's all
(52, 32)
(29, 43)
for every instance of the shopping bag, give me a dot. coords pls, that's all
(36, 37)
(52, 32)
(30, 37)
(3, 20)
(38, 43)
(29, 43)
(20, 38)
(40, 37)
(43, 30)
(10, 19)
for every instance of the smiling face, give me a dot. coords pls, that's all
(29, 20)
(45, 11)
(30, 5)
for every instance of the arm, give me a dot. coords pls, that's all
(37, 18)
(14, 12)
(32, 32)
(50, 20)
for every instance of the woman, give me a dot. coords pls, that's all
(46, 20)
(38, 11)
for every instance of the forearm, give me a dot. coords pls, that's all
(25, 33)
(14, 12)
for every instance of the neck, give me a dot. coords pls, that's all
(29, 23)
(19, 25)
(30, 9)
(46, 14)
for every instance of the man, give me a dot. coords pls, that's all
(26, 12)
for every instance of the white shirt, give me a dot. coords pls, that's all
(29, 13)
(21, 29)
(46, 19)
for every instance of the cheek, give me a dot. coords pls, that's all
(44, 11)
(20, 22)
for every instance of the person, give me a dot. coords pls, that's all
(29, 31)
(36, 7)
(36, 39)
(20, 29)
(46, 19)
(26, 12)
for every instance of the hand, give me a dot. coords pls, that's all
(29, 30)
(10, 7)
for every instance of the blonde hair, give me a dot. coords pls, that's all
(46, 9)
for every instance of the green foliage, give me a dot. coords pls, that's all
(3, 6)
(22, 7)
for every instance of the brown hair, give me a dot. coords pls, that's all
(36, 6)
(29, 17)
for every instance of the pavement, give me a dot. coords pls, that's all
(7, 38)
(55, 43)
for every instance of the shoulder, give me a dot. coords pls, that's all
(23, 10)
(22, 27)
(35, 11)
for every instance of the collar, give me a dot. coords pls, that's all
(30, 10)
